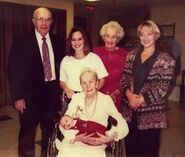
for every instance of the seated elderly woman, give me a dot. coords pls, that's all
(85, 121)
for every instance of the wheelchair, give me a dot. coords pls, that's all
(115, 149)
(52, 150)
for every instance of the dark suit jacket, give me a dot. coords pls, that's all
(25, 68)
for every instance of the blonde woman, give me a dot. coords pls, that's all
(113, 58)
(146, 80)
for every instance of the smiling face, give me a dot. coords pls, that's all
(110, 38)
(77, 42)
(89, 84)
(147, 37)
(42, 20)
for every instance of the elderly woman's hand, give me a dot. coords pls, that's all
(102, 139)
(66, 122)
(83, 137)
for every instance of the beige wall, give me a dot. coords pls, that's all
(58, 4)
(169, 14)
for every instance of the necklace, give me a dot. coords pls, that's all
(89, 114)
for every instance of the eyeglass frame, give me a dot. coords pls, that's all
(41, 19)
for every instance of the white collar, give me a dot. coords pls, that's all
(38, 36)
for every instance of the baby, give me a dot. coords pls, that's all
(78, 126)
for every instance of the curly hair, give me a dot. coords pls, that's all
(112, 24)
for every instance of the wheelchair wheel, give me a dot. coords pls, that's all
(116, 149)
(52, 150)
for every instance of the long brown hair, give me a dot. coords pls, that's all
(69, 49)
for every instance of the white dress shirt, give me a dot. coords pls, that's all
(51, 54)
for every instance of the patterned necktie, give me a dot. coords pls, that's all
(46, 60)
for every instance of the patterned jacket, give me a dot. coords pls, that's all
(152, 113)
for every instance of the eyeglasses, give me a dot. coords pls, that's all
(41, 19)
(111, 37)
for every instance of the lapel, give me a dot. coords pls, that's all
(35, 47)
(36, 60)
(56, 48)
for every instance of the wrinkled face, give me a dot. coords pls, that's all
(89, 84)
(77, 41)
(110, 39)
(42, 21)
(147, 37)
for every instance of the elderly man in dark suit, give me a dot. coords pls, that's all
(33, 76)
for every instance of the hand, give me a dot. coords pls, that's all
(20, 105)
(66, 122)
(132, 98)
(135, 100)
(102, 139)
(83, 137)
(69, 92)
(140, 100)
